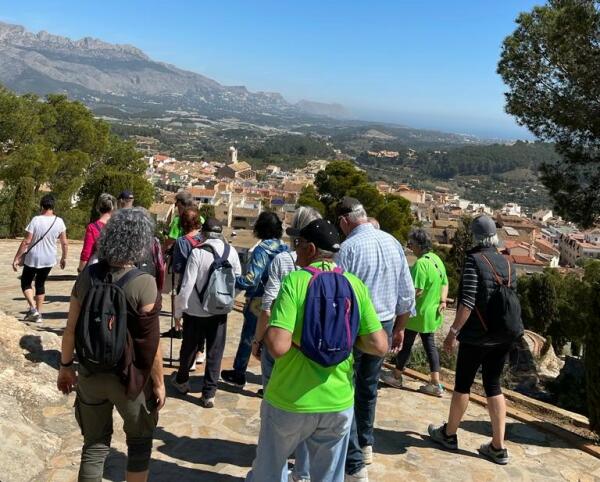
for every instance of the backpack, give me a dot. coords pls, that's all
(331, 318)
(503, 310)
(218, 293)
(154, 264)
(101, 332)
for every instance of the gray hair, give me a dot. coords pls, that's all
(374, 222)
(357, 215)
(185, 198)
(303, 216)
(127, 237)
(106, 203)
(419, 238)
(486, 241)
(212, 235)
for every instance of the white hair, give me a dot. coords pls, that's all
(357, 215)
(486, 241)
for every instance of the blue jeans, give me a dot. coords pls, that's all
(301, 464)
(366, 379)
(325, 434)
(242, 356)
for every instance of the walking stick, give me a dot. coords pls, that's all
(172, 316)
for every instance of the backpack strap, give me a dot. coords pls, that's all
(314, 272)
(426, 256)
(499, 279)
(216, 257)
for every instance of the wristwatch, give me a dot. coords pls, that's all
(68, 364)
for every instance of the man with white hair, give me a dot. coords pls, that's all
(377, 259)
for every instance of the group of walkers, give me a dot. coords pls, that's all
(320, 315)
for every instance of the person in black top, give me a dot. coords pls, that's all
(479, 347)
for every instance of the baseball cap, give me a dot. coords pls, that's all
(126, 195)
(212, 225)
(483, 226)
(347, 205)
(321, 233)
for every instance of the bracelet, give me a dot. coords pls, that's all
(68, 364)
(257, 341)
(454, 331)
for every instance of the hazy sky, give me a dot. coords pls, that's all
(421, 63)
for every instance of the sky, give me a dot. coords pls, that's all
(426, 64)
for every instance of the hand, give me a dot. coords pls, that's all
(63, 263)
(442, 307)
(450, 343)
(178, 325)
(397, 340)
(67, 380)
(256, 349)
(15, 266)
(161, 395)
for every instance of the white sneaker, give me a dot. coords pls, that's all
(180, 387)
(432, 389)
(367, 452)
(193, 367)
(361, 476)
(200, 358)
(32, 315)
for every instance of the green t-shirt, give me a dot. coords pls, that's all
(175, 229)
(429, 275)
(298, 384)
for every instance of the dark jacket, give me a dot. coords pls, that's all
(474, 332)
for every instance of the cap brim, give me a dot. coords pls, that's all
(292, 232)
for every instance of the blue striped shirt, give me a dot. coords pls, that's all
(378, 259)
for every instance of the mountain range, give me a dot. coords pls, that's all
(123, 78)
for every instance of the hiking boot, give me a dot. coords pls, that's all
(432, 389)
(367, 452)
(438, 435)
(206, 402)
(389, 377)
(498, 456)
(32, 315)
(233, 377)
(182, 388)
(361, 476)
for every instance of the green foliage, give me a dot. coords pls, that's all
(207, 211)
(287, 149)
(23, 206)
(338, 178)
(395, 217)
(550, 64)
(310, 197)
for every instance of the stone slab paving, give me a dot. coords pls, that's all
(218, 445)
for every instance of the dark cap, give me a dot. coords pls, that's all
(321, 233)
(126, 195)
(483, 226)
(212, 225)
(347, 205)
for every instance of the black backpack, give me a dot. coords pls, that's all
(101, 332)
(502, 318)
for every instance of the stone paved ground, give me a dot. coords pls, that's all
(218, 445)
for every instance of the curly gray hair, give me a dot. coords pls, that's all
(127, 237)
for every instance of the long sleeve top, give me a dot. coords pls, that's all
(253, 282)
(92, 233)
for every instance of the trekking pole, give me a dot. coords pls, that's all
(172, 332)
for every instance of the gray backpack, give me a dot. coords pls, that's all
(218, 293)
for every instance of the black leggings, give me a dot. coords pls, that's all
(431, 350)
(40, 275)
(491, 359)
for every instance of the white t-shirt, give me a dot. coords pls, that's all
(43, 254)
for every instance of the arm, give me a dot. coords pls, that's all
(157, 376)
(462, 315)
(64, 246)
(88, 247)
(406, 290)
(67, 378)
(22, 248)
(278, 341)
(273, 284)
(398, 332)
(443, 298)
(189, 282)
(375, 343)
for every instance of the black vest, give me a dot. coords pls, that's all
(473, 331)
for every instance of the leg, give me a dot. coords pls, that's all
(189, 345)
(492, 367)
(242, 356)
(328, 445)
(301, 462)
(26, 280)
(40, 286)
(404, 354)
(280, 434)
(214, 332)
(433, 356)
(467, 363)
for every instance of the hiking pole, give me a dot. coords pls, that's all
(172, 332)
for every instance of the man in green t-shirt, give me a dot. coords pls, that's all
(305, 401)
(183, 200)
(431, 287)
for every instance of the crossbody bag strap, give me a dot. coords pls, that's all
(498, 278)
(40, 239)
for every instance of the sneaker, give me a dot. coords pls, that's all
(260, 393)
(390, 378)
(182, 388)
(432, 389)
(207, 402)
(172, 333)
(292, 478)
(361, 476)
(32, 315)
(497, 456)
(233, 377)
(367, 452)
(200, 358)
(193, 367)
(438, 435)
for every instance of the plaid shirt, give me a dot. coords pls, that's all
(378, 259)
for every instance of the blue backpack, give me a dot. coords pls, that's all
(331, 318)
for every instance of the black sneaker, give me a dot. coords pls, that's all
(206, 402)
(498, 456)
(260, 393)
(172, 333)
(438, 435)
(233, 377)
